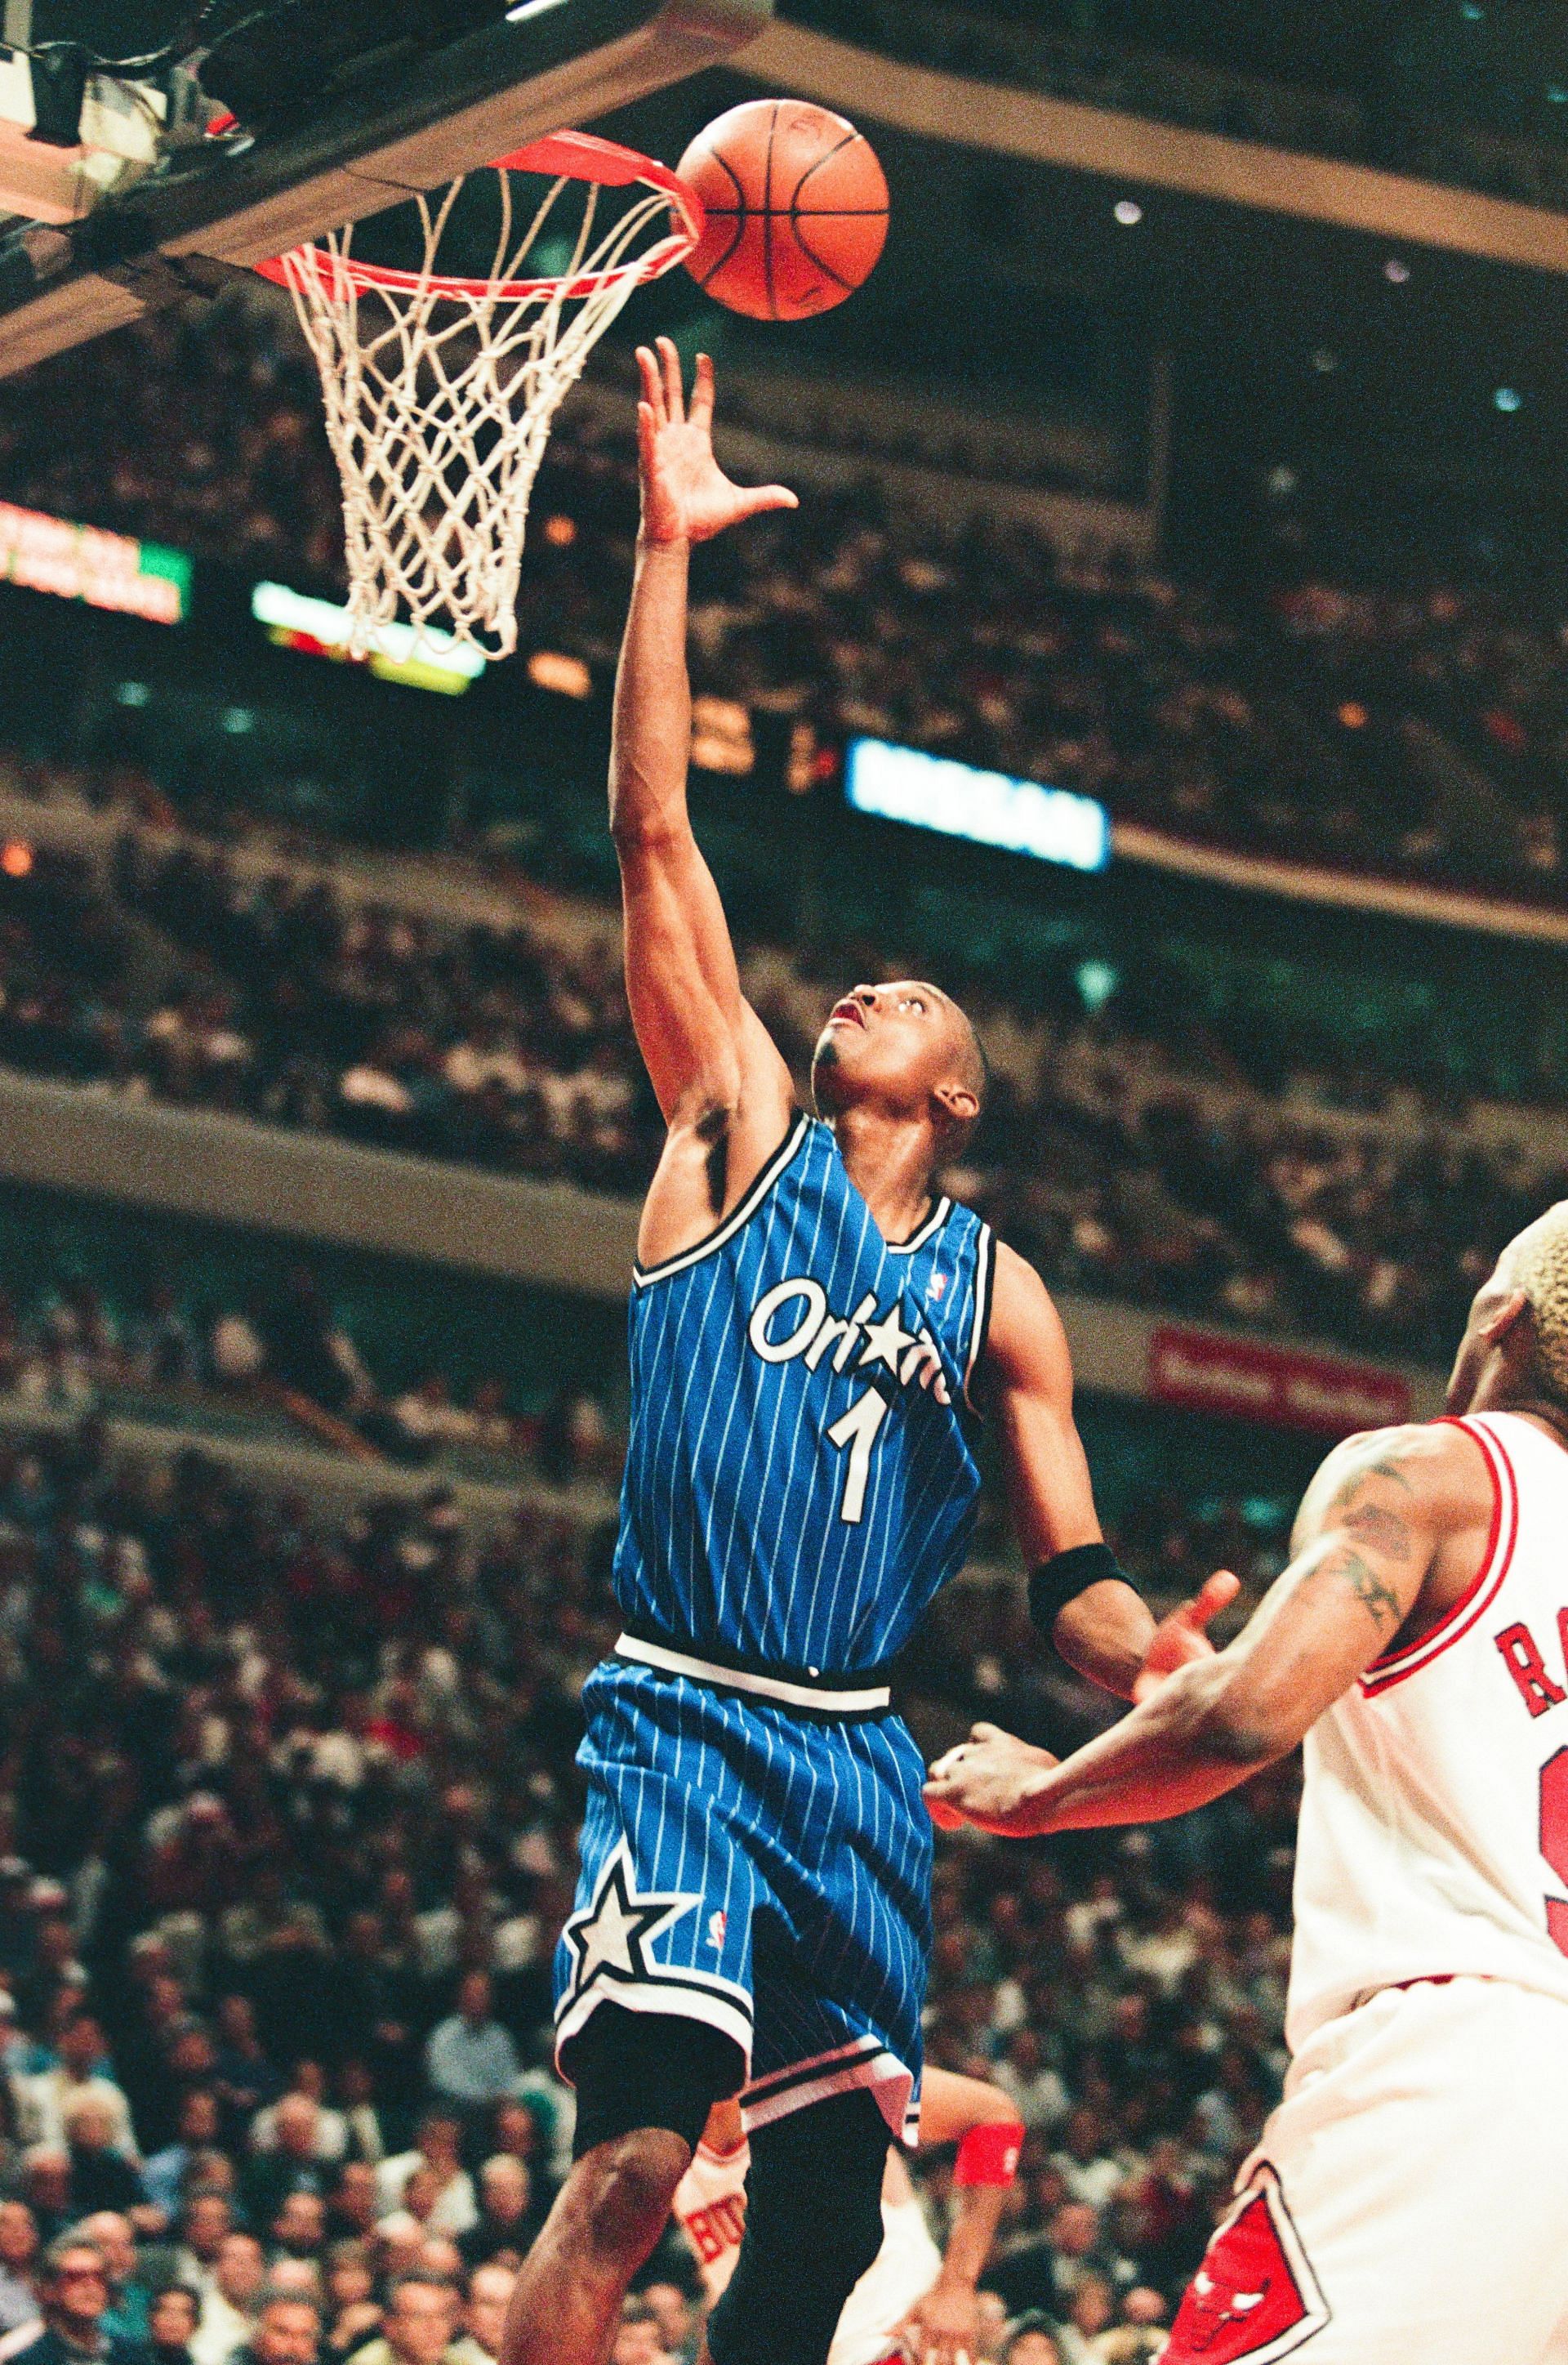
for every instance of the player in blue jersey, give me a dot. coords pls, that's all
(816, 1333)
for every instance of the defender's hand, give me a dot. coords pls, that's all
(988, 1780)
(686, 495)
(1181, 1638)
(943, 2328)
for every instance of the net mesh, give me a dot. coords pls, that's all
(439, 393)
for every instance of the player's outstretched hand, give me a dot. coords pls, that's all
(988, 1780)
(943, 2328)
(1182, 1637)
(686, 495)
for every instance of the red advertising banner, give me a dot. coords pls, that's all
(1247, 1379)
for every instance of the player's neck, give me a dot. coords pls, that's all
(889, 1160)
(1551, 1417)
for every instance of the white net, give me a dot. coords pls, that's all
(440, 394)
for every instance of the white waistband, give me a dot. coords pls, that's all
(735, 1679)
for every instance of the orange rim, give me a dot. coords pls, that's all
(565, 156)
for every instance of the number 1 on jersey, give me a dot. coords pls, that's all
(857, 1428)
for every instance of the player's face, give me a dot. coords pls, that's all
(896, 1044)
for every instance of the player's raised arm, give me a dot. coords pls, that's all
(1076, 1595)
(709, 1056)
(1395, 1523)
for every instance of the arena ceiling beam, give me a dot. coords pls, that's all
(548, 64)
(1129, 147)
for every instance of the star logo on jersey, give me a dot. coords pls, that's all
(886, 1341)
(1255, 2298)
(610, 1940)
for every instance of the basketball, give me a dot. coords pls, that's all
(797, 208)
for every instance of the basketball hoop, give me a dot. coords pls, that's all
(440, 392)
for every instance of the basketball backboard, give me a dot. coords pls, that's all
(547, 65)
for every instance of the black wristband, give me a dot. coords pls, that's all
(1063, 1577)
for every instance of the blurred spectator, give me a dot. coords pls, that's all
(74, 2289)
(287, 2331)
(82, 2070)
(470, 2060)
(509, 2215)
(233, 2299)
(18, 2266)
(244, 2079)
(172, 2320)
(679, 2327)
(1031, 2341)
(420, 2326)
(353, 2311)
(485, 2314)
(299, 2229)
(637, 2338)
(1091, 2310)
(46, 2186)
(101, 2178)
(200, 2129)
(292, 2163)
(113, 2236)
(203, 2224)
(436, 2161)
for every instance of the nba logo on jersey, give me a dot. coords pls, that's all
(717, 1929)
(936, 1288)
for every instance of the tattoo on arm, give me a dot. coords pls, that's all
(1386, 1466)
(1362, 1581)
(1381, 1531)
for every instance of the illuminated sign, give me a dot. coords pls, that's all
(421, 660)
(83, 562)
(934, 792)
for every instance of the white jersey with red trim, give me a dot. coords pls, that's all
(710, 2208)
(710, 2203)
(1434, 1821)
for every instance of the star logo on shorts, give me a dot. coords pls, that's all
(609, 1940)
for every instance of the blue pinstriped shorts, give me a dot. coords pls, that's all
(766, 1873)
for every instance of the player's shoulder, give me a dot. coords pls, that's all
(1438, 1464)
(1024, 1325)
(1017, 1277)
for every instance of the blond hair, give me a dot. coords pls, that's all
(1538, 1264)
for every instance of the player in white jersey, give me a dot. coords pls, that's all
(914, 2300)
(1408, 2203)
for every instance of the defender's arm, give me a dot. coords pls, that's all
(1386, 1516)
(984, 2123)
(707, 1053)
(1104, 1631)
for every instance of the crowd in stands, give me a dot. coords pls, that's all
(1137, 1157)
(1418, 730)
(288, 1827)
(281, 1346)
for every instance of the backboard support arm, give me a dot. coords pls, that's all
(476, 99)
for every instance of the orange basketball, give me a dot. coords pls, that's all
(797, 208)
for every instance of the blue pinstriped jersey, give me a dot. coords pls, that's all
(801, 1476)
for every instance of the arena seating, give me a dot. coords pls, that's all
(1413, 729)
(1140, 1156)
